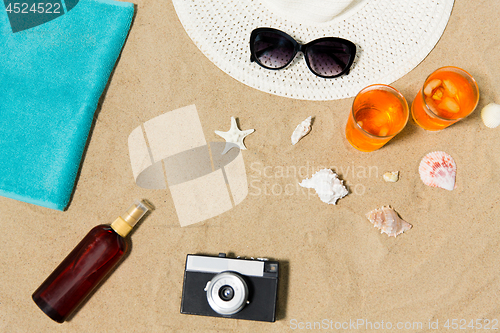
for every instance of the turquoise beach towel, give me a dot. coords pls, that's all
(52, 75)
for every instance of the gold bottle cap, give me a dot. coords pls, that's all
(124, 224)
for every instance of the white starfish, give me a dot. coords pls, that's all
(234, 136)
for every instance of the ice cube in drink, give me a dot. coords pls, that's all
(448, 95)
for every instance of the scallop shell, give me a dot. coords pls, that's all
(388, 221)
(438, 169)
(301, 130)
(491, 115)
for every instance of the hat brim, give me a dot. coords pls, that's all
(392, 38)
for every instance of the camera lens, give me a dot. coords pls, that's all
(226, 293)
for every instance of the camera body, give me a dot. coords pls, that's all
(230, 288)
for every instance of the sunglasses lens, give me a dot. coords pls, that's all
(272, 50)
(328, 58)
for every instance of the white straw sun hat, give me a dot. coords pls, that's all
(392, 37)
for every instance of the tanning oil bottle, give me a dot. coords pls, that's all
(87, 265)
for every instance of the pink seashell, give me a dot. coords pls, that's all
(388, 221)
(438, 169)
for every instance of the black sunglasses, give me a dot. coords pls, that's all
(327, 57)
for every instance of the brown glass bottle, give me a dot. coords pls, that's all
(86, 266)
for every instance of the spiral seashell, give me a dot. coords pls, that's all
(388, 221)
(301, 130)
(327, 185)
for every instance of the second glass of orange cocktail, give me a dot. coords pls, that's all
(448, 95)
(378, 113)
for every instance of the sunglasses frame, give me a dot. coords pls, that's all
(298, 47)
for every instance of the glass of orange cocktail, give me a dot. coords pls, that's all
(378, 113)
(448, 95)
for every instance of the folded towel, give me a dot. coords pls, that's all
(51, 79)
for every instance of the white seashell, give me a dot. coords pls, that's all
(438, 169)
(328, 187)
(301, 130)
(491, 115)
(388, 221)
(391, 177)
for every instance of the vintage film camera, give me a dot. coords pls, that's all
(230, 288)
